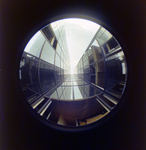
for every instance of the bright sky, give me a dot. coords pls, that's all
(79, 33)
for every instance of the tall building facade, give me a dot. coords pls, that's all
(104, 64)
(72, 100)
(45, 63)
(103, 68)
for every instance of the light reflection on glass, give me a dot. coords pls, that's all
(63, 98)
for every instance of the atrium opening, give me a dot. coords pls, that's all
(73, 72)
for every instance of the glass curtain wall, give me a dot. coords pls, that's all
(45, 61)
(103, 64)
(72, 100)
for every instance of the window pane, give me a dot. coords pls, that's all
(95, 43)
(35, 44)
(97, 53)
(29, 77)
(62, 64)
(48, 33)
(90, 56)
(116, 76)
(54, 95)
(68, 92)
(103, 36)
(48, 53)
(60, 91)
(100, 73)
(57, 60)
(77, 93)
(58, 49)
(46, 73)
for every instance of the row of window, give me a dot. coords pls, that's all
(39, 76)
(45, 61)
(72, 89)
(43, 49)
(104, 64)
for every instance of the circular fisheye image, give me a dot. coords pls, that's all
(73, 72)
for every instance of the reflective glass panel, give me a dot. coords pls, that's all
(60, 91)
(54, 95)
(58, 49)
(35, 45)
(73, 72)
(48, 53)
(57, 60)
(77, 93)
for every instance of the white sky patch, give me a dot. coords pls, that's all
(79, 33)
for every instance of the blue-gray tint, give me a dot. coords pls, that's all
(34, 47)
(48, 53)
